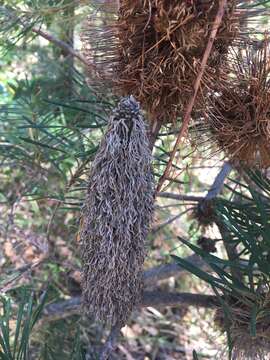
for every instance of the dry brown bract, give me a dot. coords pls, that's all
(239, 118)
(116, 217)
(247, 343)
(153, 51)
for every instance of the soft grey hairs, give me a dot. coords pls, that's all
(116, 217)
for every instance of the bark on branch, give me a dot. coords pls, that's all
(155, 298)
(162, 272)
(219, 182)
(180, 197)
(162, 298)
(61, 44)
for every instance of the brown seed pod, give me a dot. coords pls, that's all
(247, 343)
(239, 115)
(154, 48)
(207, 244)
(205, 214)
(116, 217)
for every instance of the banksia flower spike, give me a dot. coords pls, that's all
(239, 115)
(154, 48)
(116, 217)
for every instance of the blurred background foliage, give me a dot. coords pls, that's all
(51, 123)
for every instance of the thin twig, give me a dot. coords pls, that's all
(186, 120)
(169, 221)
(181, 197)
(71, 182)
(52, 39)
(19, 273)
(67, 48)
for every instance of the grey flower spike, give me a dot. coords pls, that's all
(116, 216)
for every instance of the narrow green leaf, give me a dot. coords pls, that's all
(195, 356)
(42, 144)
(253, 320)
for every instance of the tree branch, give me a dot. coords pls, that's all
(163, 272)
(66, 308)
(225, 234)
(67, 48)
(163, 298)
(212, 193)
(216, 186)
(181, 197)
(168, 222)
(219, 181)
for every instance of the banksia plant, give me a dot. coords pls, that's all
(239, 117)
(249, 324)
(154, 48)
(116, 217)
(242, 283)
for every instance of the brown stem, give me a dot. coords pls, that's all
(156, 298)
(63, 45)
(181, 197)
(78, 172)
(163, 272)
(168, 222)
(186, 120)
(219, 181)
(164, 298)
(225, 234)
(66, 34)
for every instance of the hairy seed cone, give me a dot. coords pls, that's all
(153, 49)
(239, 116)
(116, 217)
(246, 345)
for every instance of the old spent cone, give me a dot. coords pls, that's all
(116, 216)
(153, 50)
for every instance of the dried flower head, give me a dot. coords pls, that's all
(250, 336)
(239, 116)
(116, 217)
(205, 213)
(154, 50)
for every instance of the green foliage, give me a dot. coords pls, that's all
(70, 346)
(246, 222)
(15, 343)
(50, 139)
(248, 226)
(51, 123)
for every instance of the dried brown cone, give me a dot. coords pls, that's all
(155, 48)
(116, 217)
(247, 344)
(205, 214)
(239, 117)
